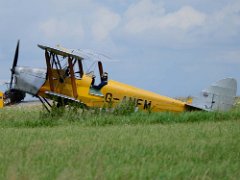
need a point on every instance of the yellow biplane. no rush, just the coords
(65, 80)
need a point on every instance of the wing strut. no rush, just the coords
(74, 87)
(49, 70)
(80, 67)
(100, 67)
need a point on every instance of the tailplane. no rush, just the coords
(219, 96)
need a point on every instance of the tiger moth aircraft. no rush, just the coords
(66, 80)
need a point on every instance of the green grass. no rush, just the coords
(60, 117)
(72, 145)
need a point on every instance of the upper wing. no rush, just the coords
(61, 51)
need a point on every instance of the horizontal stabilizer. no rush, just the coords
(219, 96)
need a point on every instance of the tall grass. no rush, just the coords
(205, 150)
(71, 143)
(122, 116)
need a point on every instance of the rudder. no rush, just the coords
(219, 96)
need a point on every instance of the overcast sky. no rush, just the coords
(174, 48)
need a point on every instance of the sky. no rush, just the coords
(174, 48)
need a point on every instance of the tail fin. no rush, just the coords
(217, 97)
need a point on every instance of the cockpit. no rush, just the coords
(64, 64)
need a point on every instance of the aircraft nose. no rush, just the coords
(29, 79)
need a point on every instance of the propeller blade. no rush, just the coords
(11, 80)
(14, 64)
(16, 56)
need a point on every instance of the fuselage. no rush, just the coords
(113, 93)
(34, 81)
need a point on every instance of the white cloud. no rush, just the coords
(184, 26)
(105, 22)
(54, 28)
(147, 16)
(224, 23)
(145, 8)
(98, 20)
(185, 19)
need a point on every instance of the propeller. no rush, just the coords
(12, 96)
(14, 64)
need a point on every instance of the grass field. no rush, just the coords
(71, 145)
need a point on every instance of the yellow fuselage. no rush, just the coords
(114, 92)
